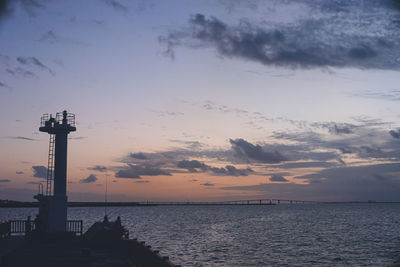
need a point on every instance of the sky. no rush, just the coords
(204, 100)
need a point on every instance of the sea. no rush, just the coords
(365, 234)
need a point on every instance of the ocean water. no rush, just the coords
(278, 235)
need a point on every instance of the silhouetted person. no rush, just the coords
(28, 227)
(38, 224)
(117, 226)
(118, 222)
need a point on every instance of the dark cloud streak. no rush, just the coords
(99, 168)
(228, 170)
(90, 179)
(277, 178)
(301, 45)
(137, 171)
(395, 134)
(117, 6)
(248, 152)
(34, 62)
(39, 171)
(21, 138)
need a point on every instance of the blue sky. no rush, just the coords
(220, 99)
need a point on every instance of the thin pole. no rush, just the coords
(105, 200)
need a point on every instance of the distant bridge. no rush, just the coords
(266, 201)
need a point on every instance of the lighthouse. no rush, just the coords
(52, 215)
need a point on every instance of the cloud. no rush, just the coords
(138, 155)
(345, 150)
(99, 168)
(34, 62)
(345, 129)
(39, 171)
(308, 42)
(21, 72)
(31, 6)
(353, 172)
(4, 85)
(31, 182)
(387, 94)
(359, 183)
(136, 171)
(5, 180)
(308, 164)
(171, 157)
(208, 184)
(312, 149)
(77, 137)
(312, 146)
(248, 152)
(21, 138)
(4, 59)
(395, 134)
(228, 170)
(341, 161)
(278, 178)
(53, 38)
(90, 179)
(117, 6)
(98, 22)
(142, 182)
(19, 172)
(50, 37)
(192, 165)
(257, 120)
(188, 144)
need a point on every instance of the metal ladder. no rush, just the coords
(50, 165)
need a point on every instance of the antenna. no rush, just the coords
(105, 199)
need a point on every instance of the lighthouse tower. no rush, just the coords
(53, 202)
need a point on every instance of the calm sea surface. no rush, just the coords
(280, 235)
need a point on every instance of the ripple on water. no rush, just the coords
(280, 235)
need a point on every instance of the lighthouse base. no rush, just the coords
(52, 215)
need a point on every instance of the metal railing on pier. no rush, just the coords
(75, 226)
(18, 227)
(21, 226)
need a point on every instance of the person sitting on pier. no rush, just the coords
(38, 224)
(105, 220)
(117, 226)
(28, 227)
(118, 222)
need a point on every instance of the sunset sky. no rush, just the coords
(204, 100)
